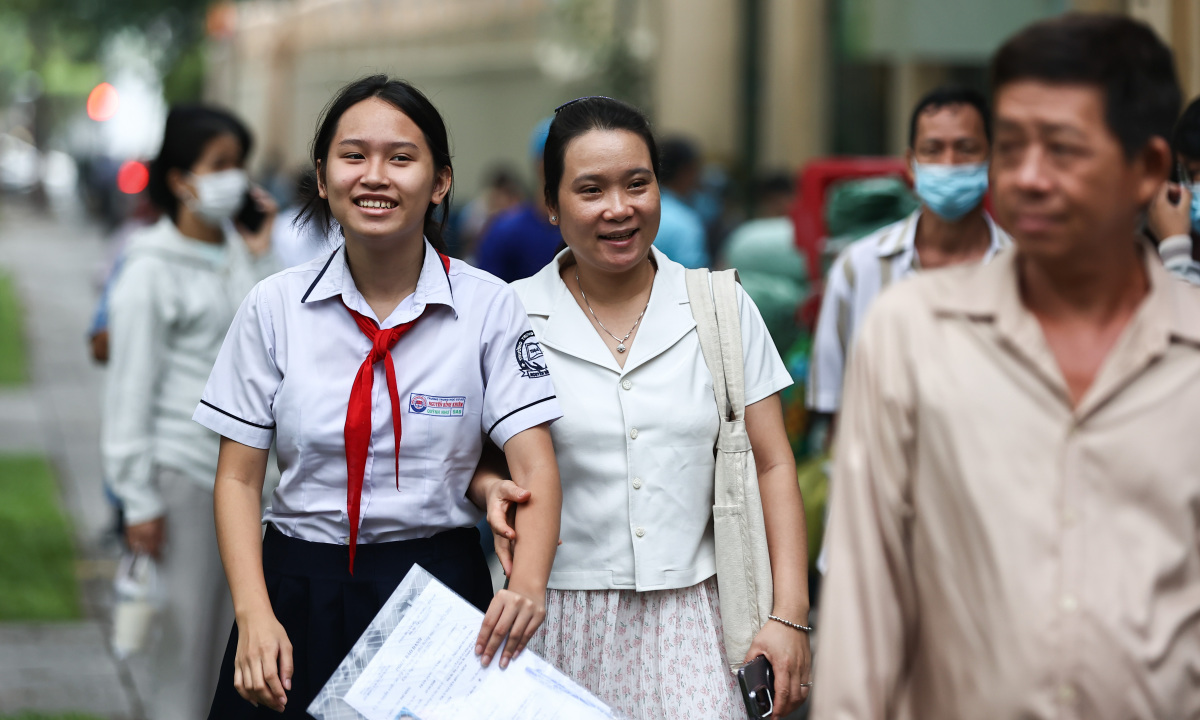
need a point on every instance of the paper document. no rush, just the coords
(424, 666)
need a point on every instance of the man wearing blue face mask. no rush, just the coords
(949, 147)
(1174, 214)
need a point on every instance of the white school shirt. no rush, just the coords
(635, 445)
(856, 278)
(469, 368)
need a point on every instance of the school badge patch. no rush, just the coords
(436, 405)
(529, 356)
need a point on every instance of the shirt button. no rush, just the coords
(1066, 692)
(1069, 518)
(637, 483)
(626, 384)
(633, 434)
(639, 532)
(1068, 603)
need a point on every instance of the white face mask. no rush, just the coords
(218, 195)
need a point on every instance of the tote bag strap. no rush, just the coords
(729, 326)
(705, 313)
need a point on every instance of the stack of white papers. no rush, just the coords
(417, 660)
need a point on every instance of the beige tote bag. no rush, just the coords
(743, 564)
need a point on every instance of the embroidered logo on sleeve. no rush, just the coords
(436, 405)
(529, 356)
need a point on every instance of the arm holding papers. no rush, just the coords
(417, 660)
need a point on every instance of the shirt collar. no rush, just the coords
(668, 315)
(901, 241)
(1166, 315)
(433, 285)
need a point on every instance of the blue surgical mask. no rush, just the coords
(951, 191)
(1195, 190)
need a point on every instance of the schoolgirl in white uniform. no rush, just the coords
(377, 370)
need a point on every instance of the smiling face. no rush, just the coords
(608, 200)
(379, 175)
(1061, 182)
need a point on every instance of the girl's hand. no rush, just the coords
(147, 538)
(263, 666)
(515, 614)
(259, 242)
(503, 497)
(791, 660)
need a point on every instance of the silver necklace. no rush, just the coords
(620, 341)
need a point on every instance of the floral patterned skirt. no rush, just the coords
(649, 655)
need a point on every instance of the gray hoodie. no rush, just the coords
(170, 308)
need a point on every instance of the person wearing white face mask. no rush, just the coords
(170, 306)
(949, 146)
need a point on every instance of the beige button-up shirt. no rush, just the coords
(997, 553)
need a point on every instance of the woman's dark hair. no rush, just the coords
(1121, 57)
(582, 116)
(408, 100)
(188, 131)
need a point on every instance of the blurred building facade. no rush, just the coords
(779, 81)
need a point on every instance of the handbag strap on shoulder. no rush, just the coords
(713, 297)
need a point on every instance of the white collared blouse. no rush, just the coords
(635, 444)
(469, 368)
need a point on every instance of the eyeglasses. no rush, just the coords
(569, 103)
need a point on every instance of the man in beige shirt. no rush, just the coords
(1016, 520)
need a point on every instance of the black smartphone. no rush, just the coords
(250, 216)
(758, 686)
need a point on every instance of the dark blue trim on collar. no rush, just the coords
(320, 275)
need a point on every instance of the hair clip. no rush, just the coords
(581, 99)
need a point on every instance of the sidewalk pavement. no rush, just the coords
(67, 666)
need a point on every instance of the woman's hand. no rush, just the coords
(262, 669)
(147, 538)
(503, 496)
(513, 613)
(791, 661)
(258, 242)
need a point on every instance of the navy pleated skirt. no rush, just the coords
(324, 609)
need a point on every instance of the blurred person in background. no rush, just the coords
(681, 235)
(772, 270)
(1014, 515)
(170, 306)
(949, 143)
(292, 241)
(502, 192)
(522, 240)
(1174, 216)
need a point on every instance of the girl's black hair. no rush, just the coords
(188, 131)
(408, 100)
(582, 116)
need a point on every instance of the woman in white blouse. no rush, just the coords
(632, 610)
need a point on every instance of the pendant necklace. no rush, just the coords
(620, 341)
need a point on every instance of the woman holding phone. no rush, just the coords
(633, 611)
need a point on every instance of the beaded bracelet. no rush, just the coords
(789, 623)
